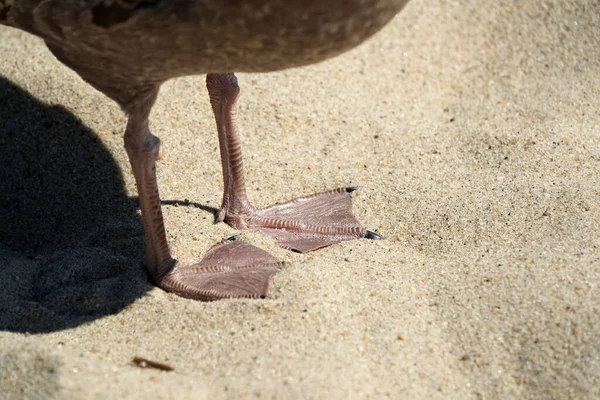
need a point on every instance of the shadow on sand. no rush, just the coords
(71, 242)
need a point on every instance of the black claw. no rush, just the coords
(351, 189)
(372, 236)
(231, 238)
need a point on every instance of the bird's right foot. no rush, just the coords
(230, 269)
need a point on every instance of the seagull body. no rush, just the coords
(127, 48)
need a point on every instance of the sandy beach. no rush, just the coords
(472, 131)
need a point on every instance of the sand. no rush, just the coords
(472, 132)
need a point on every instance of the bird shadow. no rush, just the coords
(71, 241)
(187, 203)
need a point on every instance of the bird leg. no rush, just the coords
(229, 269)
(303, 224)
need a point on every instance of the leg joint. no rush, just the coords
(139, 142)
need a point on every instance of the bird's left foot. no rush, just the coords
(306, 223)
(303, 224)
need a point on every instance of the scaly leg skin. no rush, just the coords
(303, 224)
(229, 269)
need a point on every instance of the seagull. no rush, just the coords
(126, 49)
